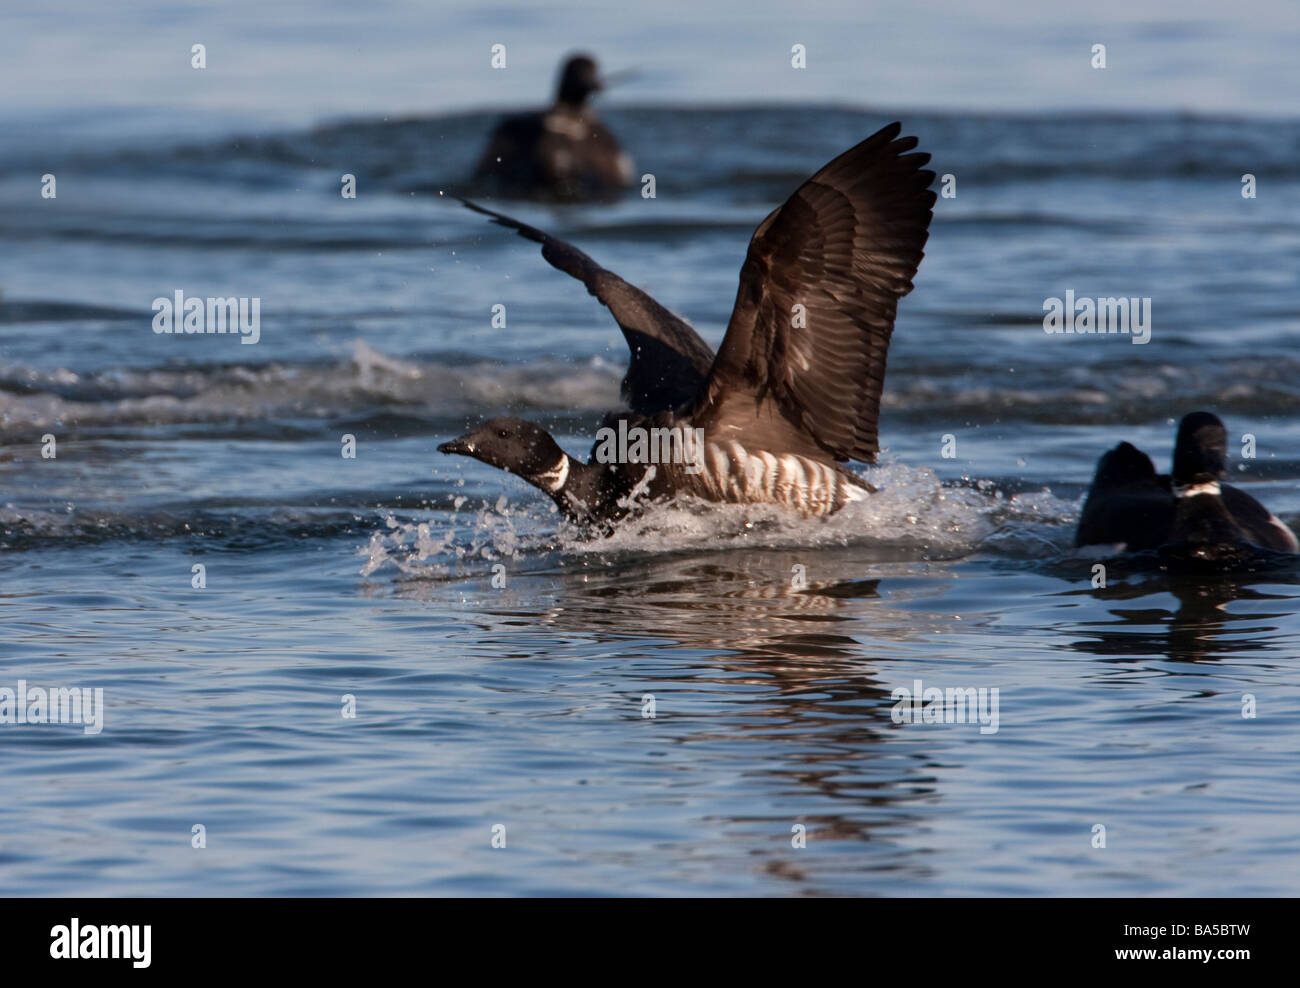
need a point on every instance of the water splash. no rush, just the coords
(912, 513)
(465, 542)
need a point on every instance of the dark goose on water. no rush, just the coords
(794, 390)
(564, 152)
(1129, 504)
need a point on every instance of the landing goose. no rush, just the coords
(794, 390)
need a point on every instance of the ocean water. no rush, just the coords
(768, 649)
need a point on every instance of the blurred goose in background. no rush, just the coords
(562, 153)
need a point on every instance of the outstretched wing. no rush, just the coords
(669, 360)
(804, 356)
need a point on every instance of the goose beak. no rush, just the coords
(461, 446)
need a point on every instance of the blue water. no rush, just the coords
(522, 705)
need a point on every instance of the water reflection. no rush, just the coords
(1202, 627)
(780, 694)
(779, 679)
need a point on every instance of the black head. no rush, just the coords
(1201, 449)
(578, 80)
(520, 447)
(1123, 465)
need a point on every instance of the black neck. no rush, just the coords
(582, 494)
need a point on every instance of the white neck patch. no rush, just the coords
(556, 477)
(1210, 487)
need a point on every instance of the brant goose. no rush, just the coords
(563, 153)
(794, 390)
(1130, 503)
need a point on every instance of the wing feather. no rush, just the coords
(815, 308)
(668, 361)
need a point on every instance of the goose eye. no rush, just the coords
(503, 434)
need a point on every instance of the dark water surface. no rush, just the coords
(523, 705)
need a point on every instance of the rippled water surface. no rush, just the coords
(770, 648)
